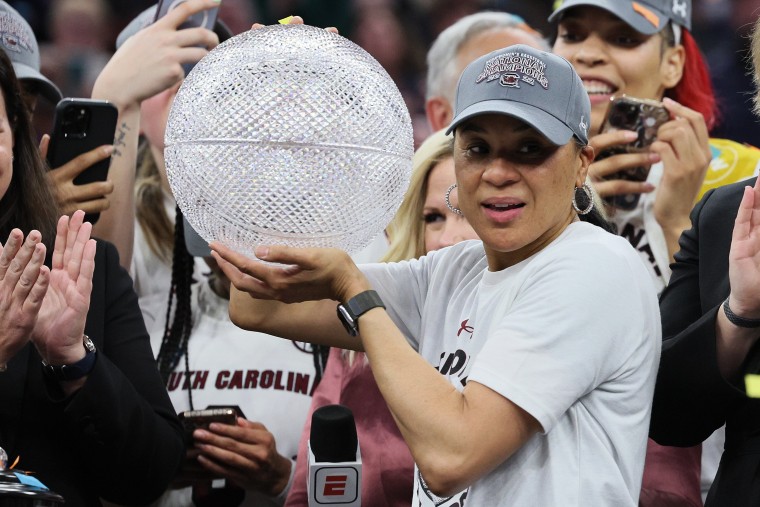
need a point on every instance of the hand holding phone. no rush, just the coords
(195, 419)
(203, 19)
(644, 117)
(80, 126)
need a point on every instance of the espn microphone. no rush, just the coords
(335, 463)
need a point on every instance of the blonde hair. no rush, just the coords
(406, 231)
(156, 225)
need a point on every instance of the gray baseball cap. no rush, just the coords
(19, 43)
(539, 88)
(645, 16)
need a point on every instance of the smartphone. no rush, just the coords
(81, 125)
(203, 19)
(194, 419)
(643, 116)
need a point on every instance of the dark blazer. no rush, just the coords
(118, 437)
(691, 398)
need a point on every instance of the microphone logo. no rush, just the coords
(337, 485)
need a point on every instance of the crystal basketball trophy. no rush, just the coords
(291, 135)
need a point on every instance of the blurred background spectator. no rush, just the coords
(77, 37)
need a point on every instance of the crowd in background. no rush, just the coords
(77, 38)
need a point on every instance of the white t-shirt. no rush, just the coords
(571, 335)
(152, 275)
(642, 231)
(271, 379)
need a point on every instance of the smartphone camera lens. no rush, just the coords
(76, 120)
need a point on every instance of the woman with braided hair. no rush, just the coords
(202, 357)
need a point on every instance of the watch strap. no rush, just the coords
(364, 302)
(737, 320)
(77, 370)
(355, 307)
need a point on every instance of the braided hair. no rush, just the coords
(178, 326)
(321, 353)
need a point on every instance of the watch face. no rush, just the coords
(348, 321)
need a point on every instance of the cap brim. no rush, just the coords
(646, 19)
(549, 126)
(196, 245)
(45, 86)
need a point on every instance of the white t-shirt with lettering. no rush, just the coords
(271, 379)
(571, 335)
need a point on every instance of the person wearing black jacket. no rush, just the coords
(82, 405)
(711, 326)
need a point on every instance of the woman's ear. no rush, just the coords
(585, 157)
(671, 69)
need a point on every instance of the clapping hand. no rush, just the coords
(744, 256)
(59, 326)
(24, 281)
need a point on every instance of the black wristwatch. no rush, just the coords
(356, 306)
(77, 370)
(737, 320)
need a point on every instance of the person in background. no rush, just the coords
(458, 45)
(205, 360)
(151, 63)
(422, 224)
(20, 44)
(79, 44)
(711, 321)
(645, 50)
(498, 372)
(83, 406)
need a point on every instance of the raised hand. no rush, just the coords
(744, 256)
(58, 331)
(245, 453)
(151, 60)
(24, 281)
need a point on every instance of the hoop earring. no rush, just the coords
(589, 196)
(448, 202)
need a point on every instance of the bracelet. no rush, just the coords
(737, 320)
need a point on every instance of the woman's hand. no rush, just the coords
(246, 454)
(91, 197)
(744, 256)
(601, 170)
(58, 331)
(151, 60)
(300, 274)
(733, 343)
(24, 281)
(682, 145)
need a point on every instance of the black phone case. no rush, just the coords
(82, 125)
(641, 116)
